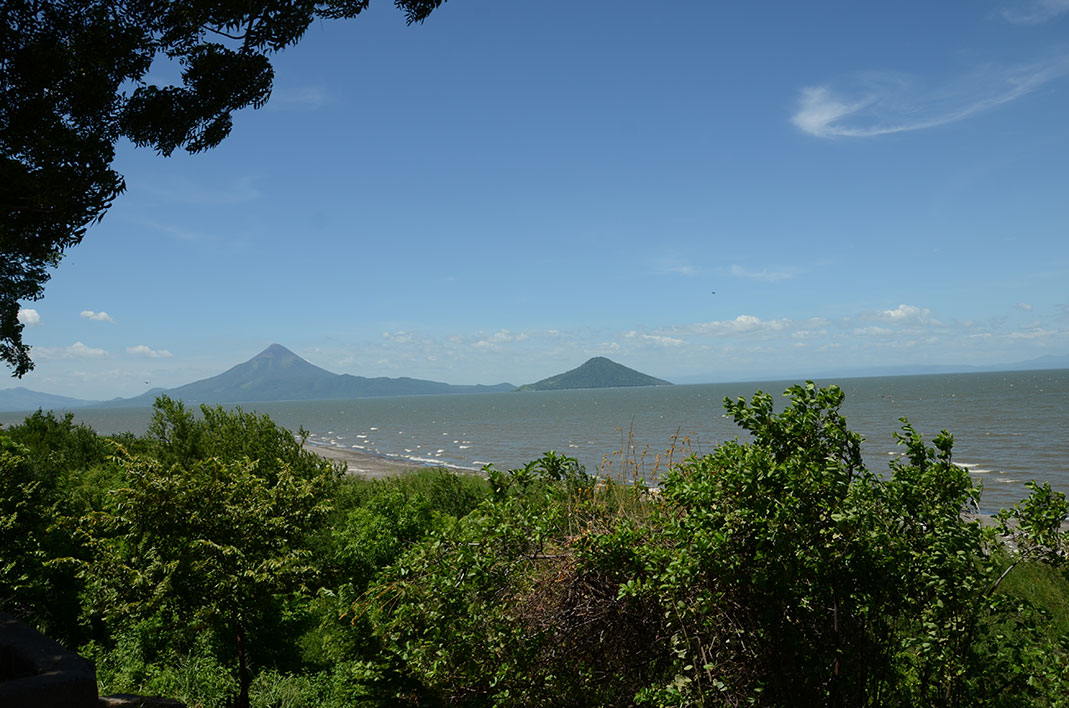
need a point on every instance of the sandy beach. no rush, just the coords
(363, 464)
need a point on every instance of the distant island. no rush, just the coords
(598, 372)
(275, 374)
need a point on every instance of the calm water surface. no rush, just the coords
(1009, 427)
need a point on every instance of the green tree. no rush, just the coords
(52, 470)
(23, 519)
(211, 539)
(73, 81)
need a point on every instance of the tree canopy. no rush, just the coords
(73, 82)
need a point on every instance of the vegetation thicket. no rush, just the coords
(216, 561)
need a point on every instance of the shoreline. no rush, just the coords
(367, 465)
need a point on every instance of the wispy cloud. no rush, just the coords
(176, 232)
(908, 314)
(176, 189)
(1033, 333)
(142, 350)
(743, 324)
(29, 317)
(1035, 12)
(873, 104)
(908, 319)
(674, 265)
(873, 331)
(655, 339)
(399, 337)
(306, 98)
(764, 275)
(502, 336)
(78, 350)
(97, 316)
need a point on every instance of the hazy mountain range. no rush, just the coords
(277, 374)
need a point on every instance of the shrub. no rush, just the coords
(778, 571)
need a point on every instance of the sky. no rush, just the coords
(701, 191)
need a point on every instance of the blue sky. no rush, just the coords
(513, 187)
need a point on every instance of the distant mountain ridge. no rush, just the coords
(598, 372)
(275, 374)
(21, 398)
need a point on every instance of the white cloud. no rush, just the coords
(743, 324)
(764, 275)
(655, 339)
(78, 350)
(29, 317)
(819, 110)
(902, 312)
(1035, 12)
(502, 336)
(809, 333)
(142, 350)
(97, 316)
(908, 314)
(399, 337)
(882, 103)
(1026, 306)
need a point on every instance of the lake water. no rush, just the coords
(1009, 427)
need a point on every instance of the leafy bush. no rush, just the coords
(777, 571)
